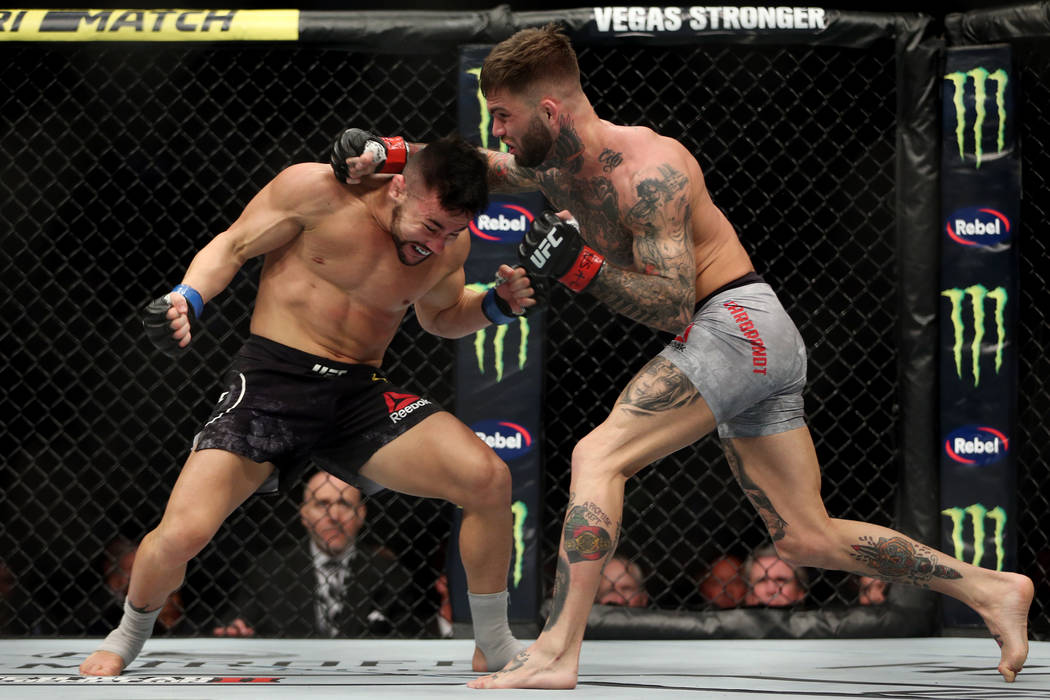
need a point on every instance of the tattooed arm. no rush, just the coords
(662, 291)
(507, 176)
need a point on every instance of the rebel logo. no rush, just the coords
(978, 226)
(400, 405)
(976, 445)
(502, 222)
(507, 439)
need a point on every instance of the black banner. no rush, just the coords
(980, 204)
(499, 370)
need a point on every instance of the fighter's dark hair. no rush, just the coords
(454, 170)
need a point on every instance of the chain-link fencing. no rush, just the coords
(122, 161)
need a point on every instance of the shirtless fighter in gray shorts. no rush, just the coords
(649, 243)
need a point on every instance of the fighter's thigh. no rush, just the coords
(210, 486)
(780, 474)
(659, 412)
(440, 458)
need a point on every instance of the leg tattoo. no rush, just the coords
(585, 541)
(660, 386)
(899, 559)
(561, 592)
(774, 523)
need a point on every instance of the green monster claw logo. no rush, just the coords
(978, 513)
(498, 338)
(980, 77)
(483, 121)
(520, 511)
(977, 293)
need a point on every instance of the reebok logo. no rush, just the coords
(400, 405)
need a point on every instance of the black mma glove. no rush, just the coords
(390, 153)
(554, 248)
(157, 325)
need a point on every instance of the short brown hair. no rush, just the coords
(528, 57)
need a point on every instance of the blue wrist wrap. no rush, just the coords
(491, 309)
(192, 296)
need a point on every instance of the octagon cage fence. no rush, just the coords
(123, 159)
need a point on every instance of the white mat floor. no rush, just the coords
(941, 668)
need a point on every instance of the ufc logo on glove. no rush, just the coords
(542, 254)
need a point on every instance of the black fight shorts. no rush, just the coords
(285, 406)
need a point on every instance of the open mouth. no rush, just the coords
(421, 251)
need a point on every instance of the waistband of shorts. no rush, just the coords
(297, 357)
(745, 279)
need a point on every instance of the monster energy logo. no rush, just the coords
(483, 121)
(978, 514)
(977, 294)
(980, 77)
(520, 511)
(499, 335)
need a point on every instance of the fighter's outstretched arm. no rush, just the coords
(357, 153)
(271, 219)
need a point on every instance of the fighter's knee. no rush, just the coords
(488, 482)
(800, 547)
(591, 460)
(179, 542)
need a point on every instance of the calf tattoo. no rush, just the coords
(585, 541)
(561, 592)
(774, 523)
(900, 559)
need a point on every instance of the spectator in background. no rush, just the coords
(724, 585)
(622, 583)
(328, 586)
(871, 591)
(773, 582)
(441, 624)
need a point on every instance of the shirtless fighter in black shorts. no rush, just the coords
(343, 264)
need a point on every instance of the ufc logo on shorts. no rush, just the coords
(330, 371)
(542, 253)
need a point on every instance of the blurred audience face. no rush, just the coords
(621, 584)
(332, 512)
(774, 583)
(872, 591)
(724, 585)
(118, 576)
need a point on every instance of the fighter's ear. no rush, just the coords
(550, 108)
(397, 186)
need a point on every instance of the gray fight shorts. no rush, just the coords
(745, 356)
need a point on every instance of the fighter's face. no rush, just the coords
(528, 136)
(420, 228)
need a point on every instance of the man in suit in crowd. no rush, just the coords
(328, 587)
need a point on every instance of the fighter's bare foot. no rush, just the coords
(102, 663)
(1006, 615)
(533, 668)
